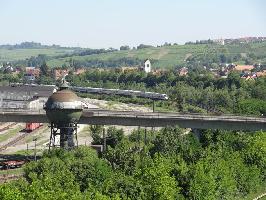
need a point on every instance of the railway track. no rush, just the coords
(13, 142)
(9, 177)
(7, 127)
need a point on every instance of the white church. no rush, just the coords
(147, 66)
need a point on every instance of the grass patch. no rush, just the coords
(9, 134)
(30, 152)
(37, 134)
(42, 142)
(15, 171)
(85, 132)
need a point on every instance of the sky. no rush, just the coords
(112, 23)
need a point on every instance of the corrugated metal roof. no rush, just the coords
(39, 91)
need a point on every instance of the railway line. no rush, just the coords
(10, 170)
(9, 177)
(16, 140)
(7, 127)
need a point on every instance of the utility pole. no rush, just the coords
(145, 136)
(139, 136)
(35, 139)
(153, 105)
(104, 140)
(27, 151)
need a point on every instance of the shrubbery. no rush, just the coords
(168, 165)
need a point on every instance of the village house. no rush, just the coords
(261, 73)
(60, 73)
(248, 76)
(80, 71)
(243, 68)
(33, 71)
(16, 71)
(29, 78)
(183, 71)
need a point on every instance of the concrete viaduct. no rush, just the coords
(147, 119)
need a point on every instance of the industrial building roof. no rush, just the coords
(32, 90)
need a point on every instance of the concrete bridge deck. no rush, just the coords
(147, 119)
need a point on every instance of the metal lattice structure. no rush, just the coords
(68, 136)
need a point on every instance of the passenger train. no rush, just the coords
(150, 95)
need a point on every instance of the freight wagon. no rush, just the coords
(32, 126)
(11, 164)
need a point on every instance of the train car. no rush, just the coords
(11, 164)
(89, 90)
(110, 91)
(164, 97)
(32, 126)
(96, 90)
(79, 89)
(150, 95)
(125, 92)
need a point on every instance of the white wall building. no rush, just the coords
(147, 66)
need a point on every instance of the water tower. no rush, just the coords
(63, 109)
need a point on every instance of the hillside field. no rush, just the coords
(170, 56)
(161, 57)
(10, 55)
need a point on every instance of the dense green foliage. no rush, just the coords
(194, 93)
(165, 164)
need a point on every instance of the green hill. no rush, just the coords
(161, 57)
(11, 55)
(170, 56)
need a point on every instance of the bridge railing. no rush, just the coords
(167, 113)
(153, 115)
(132, 114)
(22, 111)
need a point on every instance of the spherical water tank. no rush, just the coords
(63, 107)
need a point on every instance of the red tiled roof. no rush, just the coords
(243, 67)
(262, 73)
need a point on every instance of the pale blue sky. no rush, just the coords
(112, 23)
